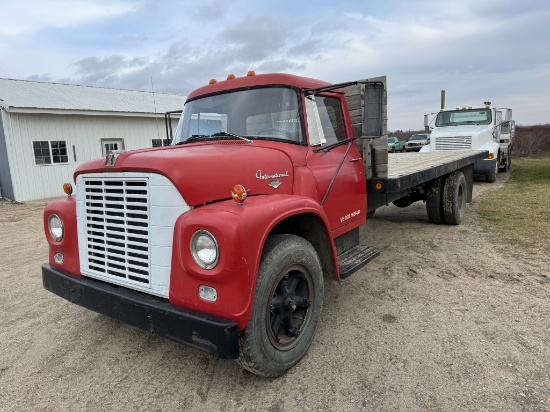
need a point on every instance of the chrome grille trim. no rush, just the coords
(453, 143)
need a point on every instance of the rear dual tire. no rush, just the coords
(454, 198)
(446, 200)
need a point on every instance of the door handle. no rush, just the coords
(355, 159)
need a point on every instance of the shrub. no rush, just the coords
(531, 140)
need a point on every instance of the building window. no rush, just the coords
(161, 142)
(50, 152)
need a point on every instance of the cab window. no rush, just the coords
(325, 120)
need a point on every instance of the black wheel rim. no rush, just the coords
(288, 314)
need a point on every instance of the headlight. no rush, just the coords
(204, 249)
(55, 225)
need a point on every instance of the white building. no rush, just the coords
(48, 129)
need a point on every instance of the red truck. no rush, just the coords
(223, 239)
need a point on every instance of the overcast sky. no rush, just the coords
(475, 50)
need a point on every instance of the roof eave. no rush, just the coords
(34, 110)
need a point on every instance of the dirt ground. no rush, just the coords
(446, 319)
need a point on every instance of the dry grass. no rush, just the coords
(519, 214)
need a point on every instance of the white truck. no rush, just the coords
(475, 128)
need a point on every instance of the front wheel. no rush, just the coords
(287, 305)
(492, 176)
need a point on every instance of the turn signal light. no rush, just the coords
(378, 186)
(68, 189)
(491, 156)
(239, 194)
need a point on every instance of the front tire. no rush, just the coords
(492, 176)
(287, 306)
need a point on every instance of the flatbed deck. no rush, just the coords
(408, 170)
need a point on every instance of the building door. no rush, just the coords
(111, 144)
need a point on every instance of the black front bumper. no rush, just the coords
(485, 166)
(211, 334)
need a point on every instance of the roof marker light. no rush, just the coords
(251, 73)
(230, 76)
(212, 81)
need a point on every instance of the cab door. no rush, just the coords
(338, 171)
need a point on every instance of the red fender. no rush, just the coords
(241, 231)
(68, 245)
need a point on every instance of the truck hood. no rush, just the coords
(456, 131)
(204, 173)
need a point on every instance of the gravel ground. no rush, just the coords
(446, 319)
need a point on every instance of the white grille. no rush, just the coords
(453, 143)
(126, 228)
(116, 213)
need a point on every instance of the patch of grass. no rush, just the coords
(519, 213)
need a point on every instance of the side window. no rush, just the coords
(111, 144)
(325, 120)
(50, 152)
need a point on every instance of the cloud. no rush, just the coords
(475, 51)
(24, 18)
(214, 10)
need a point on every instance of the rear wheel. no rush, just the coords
(434, 202)
(455, 193)
(287, 306)
(508, 163)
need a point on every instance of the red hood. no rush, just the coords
(207, 172)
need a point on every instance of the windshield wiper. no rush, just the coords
(226, 134)
(194, 138)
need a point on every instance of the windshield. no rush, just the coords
(418, 137)
(460, 117)
(270, 113)
(392, 139)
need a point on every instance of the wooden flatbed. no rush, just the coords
(409, 171)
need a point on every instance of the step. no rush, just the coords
(354, 259)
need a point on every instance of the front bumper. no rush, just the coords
(485, 167)
(211, 334)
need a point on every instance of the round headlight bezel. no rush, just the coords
(56, 232)
(204, 235)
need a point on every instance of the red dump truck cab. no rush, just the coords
(161, 225)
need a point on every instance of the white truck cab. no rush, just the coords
(475, 128)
